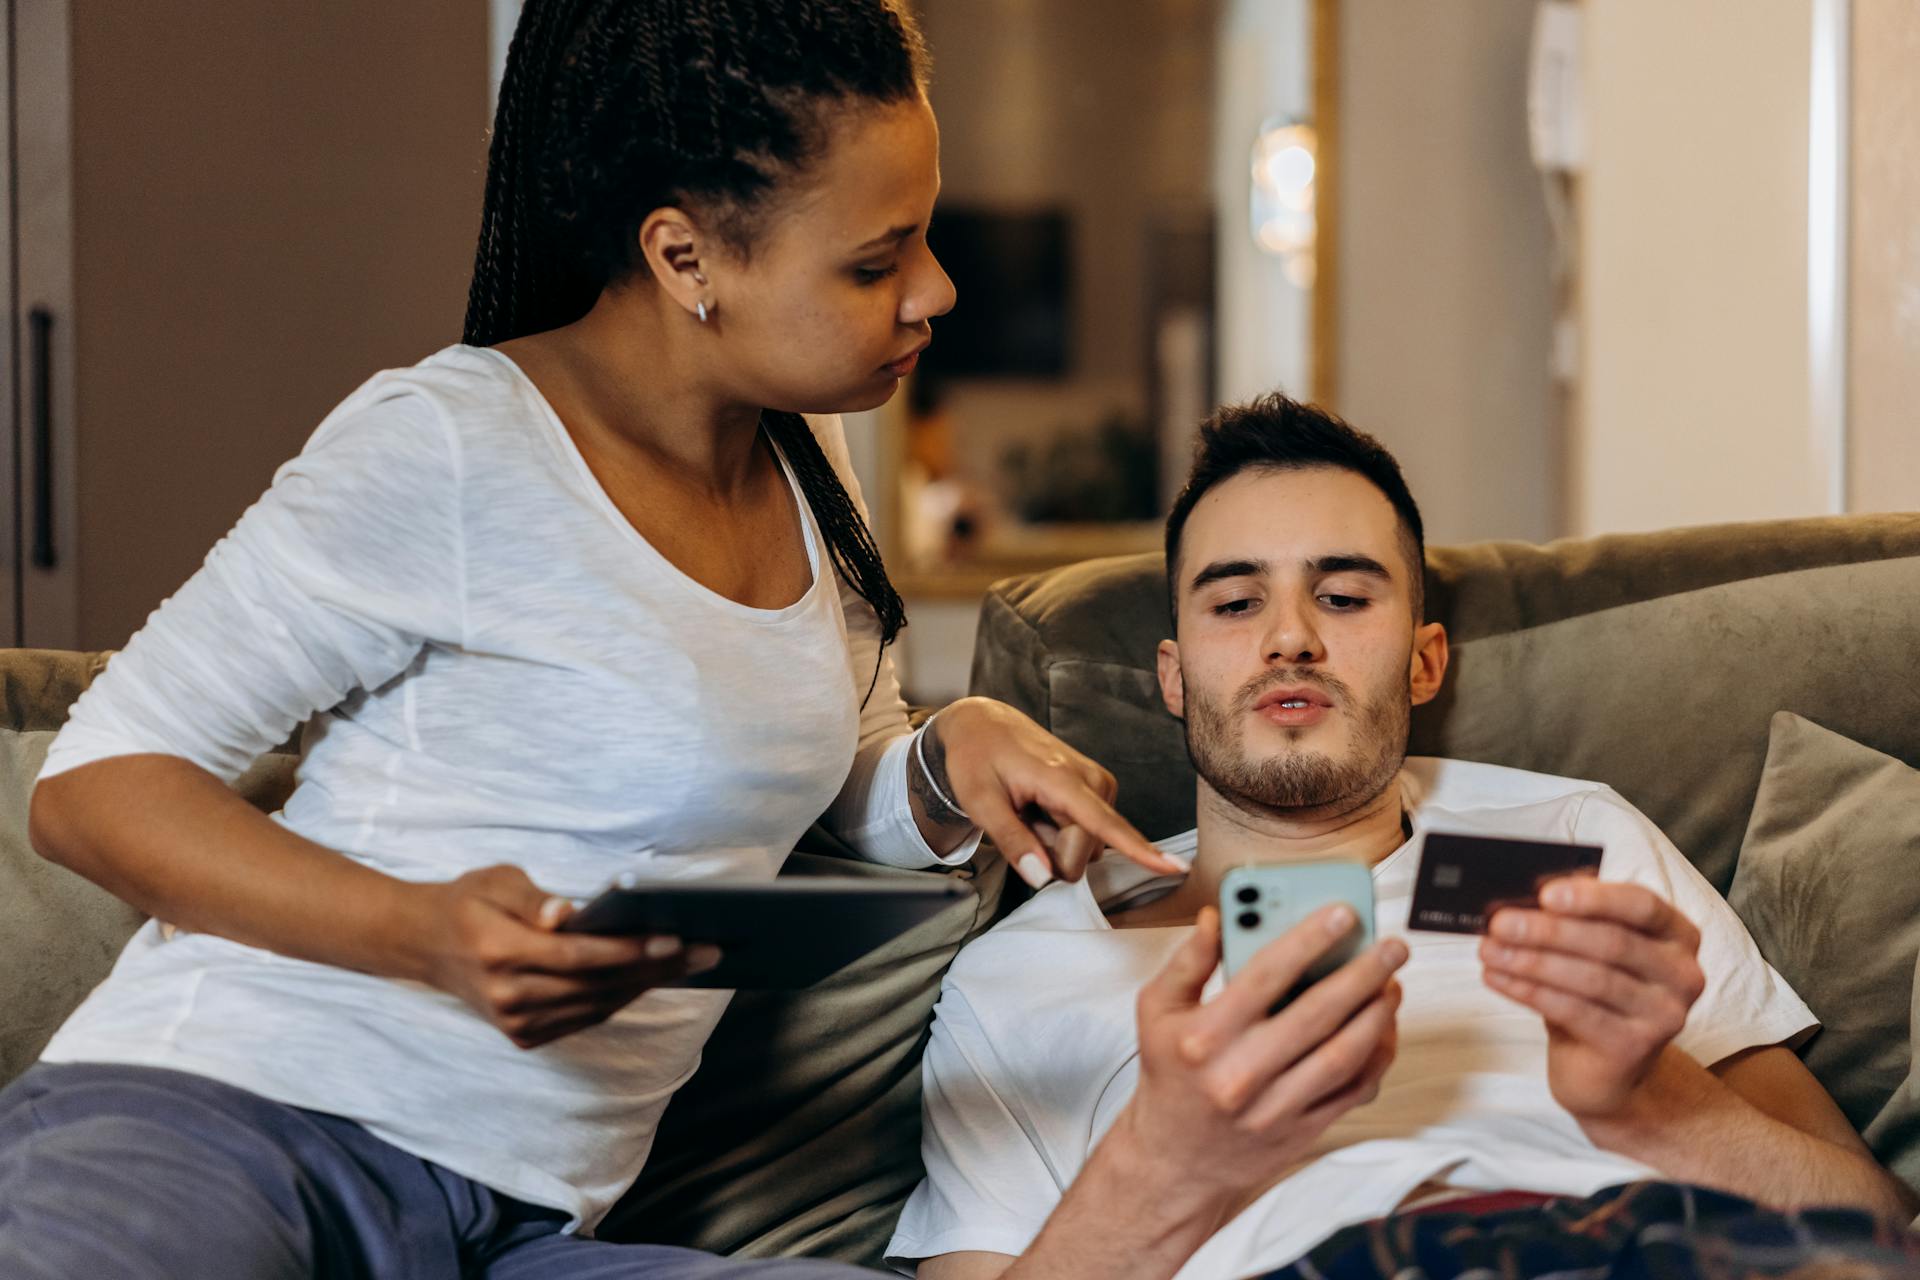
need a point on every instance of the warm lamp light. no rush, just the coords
(1282, 197)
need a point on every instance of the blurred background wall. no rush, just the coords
(269, 202)
(1883, 326)
(265, 203)
(1442, 285)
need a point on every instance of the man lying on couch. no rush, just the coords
(1099, 1102)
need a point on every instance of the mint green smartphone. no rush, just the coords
(1259, 903)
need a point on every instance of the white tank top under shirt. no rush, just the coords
(505, 671)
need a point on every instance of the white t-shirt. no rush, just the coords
(1034, 1049)
(507, 672)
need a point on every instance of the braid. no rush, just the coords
(848, 539)
(610, 109)
(504, 290)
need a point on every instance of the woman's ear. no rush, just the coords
(675, 248)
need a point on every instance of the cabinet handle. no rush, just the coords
(40, 336)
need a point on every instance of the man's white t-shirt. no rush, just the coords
(506, 672)
(1034, 1049)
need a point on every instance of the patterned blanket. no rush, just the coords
(1639, 1231)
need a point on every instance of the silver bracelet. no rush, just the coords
(927, 773)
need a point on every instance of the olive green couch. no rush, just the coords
(1655, 663)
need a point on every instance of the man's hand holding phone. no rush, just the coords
(490, 938)
(1232, 1093)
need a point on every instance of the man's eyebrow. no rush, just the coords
(894, 234)
(1221, 569)
(1349, 562)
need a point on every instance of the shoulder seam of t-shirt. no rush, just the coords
(456, 458)
(457, 461)
(1652, 846)
(395, 391)
(1579, 810)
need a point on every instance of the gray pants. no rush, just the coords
(109, 1172)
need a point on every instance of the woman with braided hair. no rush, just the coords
(589, 592)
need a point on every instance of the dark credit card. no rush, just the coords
(1463, 880)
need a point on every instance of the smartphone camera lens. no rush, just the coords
(1248, 894)
(1248, 920)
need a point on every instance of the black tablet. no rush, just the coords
(783, 933)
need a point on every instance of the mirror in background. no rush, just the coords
(1130, 196)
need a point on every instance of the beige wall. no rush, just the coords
(1695, 396)
(1884, 245)
(1445, 319)
(272, 202)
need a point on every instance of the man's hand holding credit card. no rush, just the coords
(1612, 969)
(1464, 879)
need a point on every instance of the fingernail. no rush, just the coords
(552, 911)
(1499, 954)
(702, 958)
(1558, 895)
(1395, 952)
(661, 946)
(1339, 920)
(1034, 870)
(1508, 925)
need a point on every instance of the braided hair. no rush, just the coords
(610, 109)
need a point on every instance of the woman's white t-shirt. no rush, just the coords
(1035, 1050)
(504, 671)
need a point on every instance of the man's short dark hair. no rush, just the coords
(1275, 433)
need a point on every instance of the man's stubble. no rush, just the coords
(1299, 780)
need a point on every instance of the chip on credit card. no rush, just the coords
(1463, 880)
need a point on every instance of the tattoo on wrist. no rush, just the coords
(929, 783)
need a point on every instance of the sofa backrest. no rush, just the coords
(1651, 662)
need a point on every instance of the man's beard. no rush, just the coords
(1299, 780)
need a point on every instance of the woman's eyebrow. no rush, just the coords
(895, 234)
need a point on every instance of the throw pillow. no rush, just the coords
(1828, 882)
(800, 1132)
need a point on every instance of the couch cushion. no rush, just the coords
(800, 1132)
(1894, 1134)
(1829, 885)
(38, 685)
(1492, 588)
(59, 932)
(1667, 699)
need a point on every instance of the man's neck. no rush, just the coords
(1231, 836)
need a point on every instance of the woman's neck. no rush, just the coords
(629, 382)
